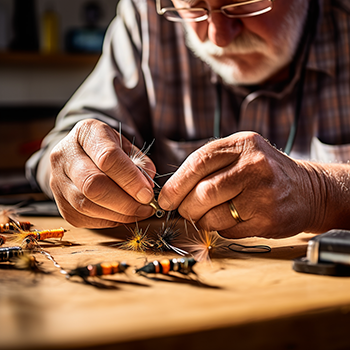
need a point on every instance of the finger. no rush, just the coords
(211, 192)
(80, 220)
(253, 229)
(252, 222)
(87, 207)
(200, 164)
(80, 211)
(102, 144)
(140, 159)
(99, 189)
(89, 191)
(257, 221)
(218, 218)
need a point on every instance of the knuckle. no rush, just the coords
(112, 162)
(198, 161)
(195, 166)
(261, 168)
(208, 191)
(250, 138)
(108, 159)
(95, 192)
(173, 191)
(262, 162)
(93, 186)
(84, 127)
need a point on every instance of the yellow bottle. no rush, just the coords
(50, 31)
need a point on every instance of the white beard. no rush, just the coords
(273, 58)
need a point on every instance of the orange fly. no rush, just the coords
(39, 235)
(165, 266)
(97, 270)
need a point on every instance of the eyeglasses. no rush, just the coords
(248, 8)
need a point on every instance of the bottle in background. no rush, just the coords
(50, 30)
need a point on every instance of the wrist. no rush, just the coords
(328, 192)
(315, 196)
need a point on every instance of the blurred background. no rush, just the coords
(47, 49)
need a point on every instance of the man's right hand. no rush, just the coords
(93, 180)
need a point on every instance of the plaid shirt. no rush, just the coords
(150, 81)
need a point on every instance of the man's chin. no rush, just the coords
(239, 74)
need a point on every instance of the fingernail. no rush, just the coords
(145, 196)
(144, 211)
(164, 203)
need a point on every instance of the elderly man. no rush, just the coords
(248, 103)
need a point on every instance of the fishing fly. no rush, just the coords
(23, 225)
(165, 266)
(27, 262)
(98, 270)
(138, 241)
(9, 224)
(39, 235)
(206, 243)
(31, 244)
(167, 234)
(8, 253)
(22, 260)
(203, 245)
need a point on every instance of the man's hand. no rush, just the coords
(93, 180)
(274, 195)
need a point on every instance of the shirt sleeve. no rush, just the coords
(114, 93)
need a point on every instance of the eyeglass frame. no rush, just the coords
(161, 11)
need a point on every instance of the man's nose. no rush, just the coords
(222, 30)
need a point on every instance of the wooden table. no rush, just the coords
(241, 301)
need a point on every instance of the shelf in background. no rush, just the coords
(53, 60)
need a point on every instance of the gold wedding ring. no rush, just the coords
(234, 212)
